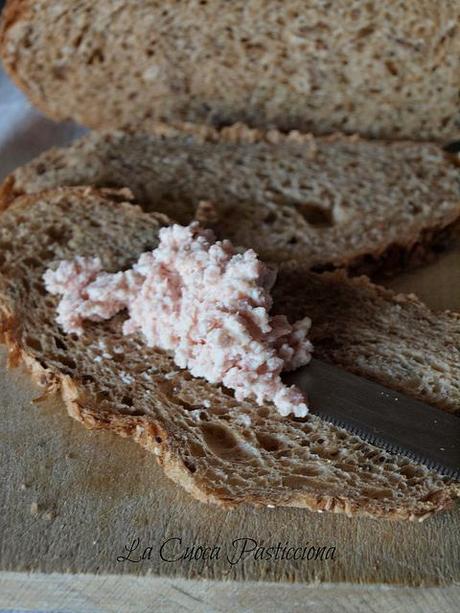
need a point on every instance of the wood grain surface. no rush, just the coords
(72, 500)
(112, 594)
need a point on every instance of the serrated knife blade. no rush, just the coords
(380, 416)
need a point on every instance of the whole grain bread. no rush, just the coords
(386, 70)
(369, 330)
(220, 450)
(326, 202)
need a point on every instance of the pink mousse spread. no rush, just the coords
(200, 300)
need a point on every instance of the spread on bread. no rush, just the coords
(203, 301)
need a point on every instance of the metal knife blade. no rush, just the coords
(381, 416)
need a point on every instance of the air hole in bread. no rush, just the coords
(409, 471)
(196, 450)
(223, 442)
(93, 223)
(59, 72)
(378, 494)
(102, 396)
(134, 412)
(165, 387)
(58, 235)
(68, 361)
(60, 343)
(32, 262)
(219, 436)
(227, 391)
(40, 288)
(268, 442)
(127, 401)
(326, 453)
(189, 465)
(33, 342)
(391, 67)
(270, 218)
(315, 215)
(45, 254)
(97, 57)
(78, 40)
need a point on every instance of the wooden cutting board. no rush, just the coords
(73, 501)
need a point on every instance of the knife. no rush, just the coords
(382, 417)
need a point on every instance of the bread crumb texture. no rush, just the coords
(220, 450)
(201, 300)
(325, 202)
(382, 69)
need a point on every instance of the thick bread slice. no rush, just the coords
(220, 450)
(387, 70)
(325, 202)
(367, 329)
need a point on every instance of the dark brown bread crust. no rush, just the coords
(419, 250)
(14, 11)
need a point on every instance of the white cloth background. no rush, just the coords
(24, 132)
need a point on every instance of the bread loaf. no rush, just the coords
(388, 70)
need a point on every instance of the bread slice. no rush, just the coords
(386, 70)
(220, 450)
(391, 338)
(325, 202)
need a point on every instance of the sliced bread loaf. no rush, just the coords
(380, 69)
(220, 450)
(325, 202)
